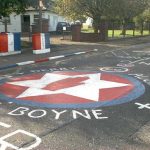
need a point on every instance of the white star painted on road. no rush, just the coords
(41, 83)
(89, 89)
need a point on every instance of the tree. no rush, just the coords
(130, 9)
(9, 6)
(18, 6)
(46, 3)
(101, 10)
(40, 5)
(69, 9)
(145, 15)
(76, 9)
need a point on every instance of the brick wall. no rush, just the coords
(78, 36)
(90, 37)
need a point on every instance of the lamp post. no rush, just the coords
(40, 15)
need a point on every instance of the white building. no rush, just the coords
(23, 22)
(89, 21)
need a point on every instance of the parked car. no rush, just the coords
(63, 26)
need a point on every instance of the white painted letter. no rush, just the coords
(19, 111)
(58, 113)
(97, 114)
(43, 113)
(86, 115)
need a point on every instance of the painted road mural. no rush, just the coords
(71, 89)
(98, 101)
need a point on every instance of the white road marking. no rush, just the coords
(142, 106)
(139, 61)
(5, 125)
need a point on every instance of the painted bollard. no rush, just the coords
(10, 44)
(41, 43)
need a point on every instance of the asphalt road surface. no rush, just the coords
(94, 101)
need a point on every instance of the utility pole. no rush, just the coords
(40, 15)
(5, 24)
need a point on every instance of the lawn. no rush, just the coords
(117, 33)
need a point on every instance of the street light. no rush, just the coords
(40, 15)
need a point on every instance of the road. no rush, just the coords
(94, 101)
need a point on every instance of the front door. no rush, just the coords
(25, 23)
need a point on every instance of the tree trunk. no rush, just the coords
(103, 30)
(123, 28)
(100, 26)
(96, 23)
(5, 24)
(95, 29)
(142, 27)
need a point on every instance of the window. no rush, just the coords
(36, 18)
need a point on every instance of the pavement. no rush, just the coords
(62, 47)
(92, 101)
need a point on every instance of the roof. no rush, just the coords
(35, 9)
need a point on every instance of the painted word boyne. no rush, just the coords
(57, 114)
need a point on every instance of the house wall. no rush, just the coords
(53, 20)
(15, 24)
(15, 21)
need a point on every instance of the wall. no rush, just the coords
(90, 37)
(53, 20)
(78, 36)
(13, 26)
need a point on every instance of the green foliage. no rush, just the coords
(146, 15)
(69, 9)
(101, 9)
(131, 8)
(19, 6)
(9, 6)
(46, 3)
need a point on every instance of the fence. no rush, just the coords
(116, 30)
(130, 29)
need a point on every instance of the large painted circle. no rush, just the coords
(71, 89)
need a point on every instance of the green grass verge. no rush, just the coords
(117, 33)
